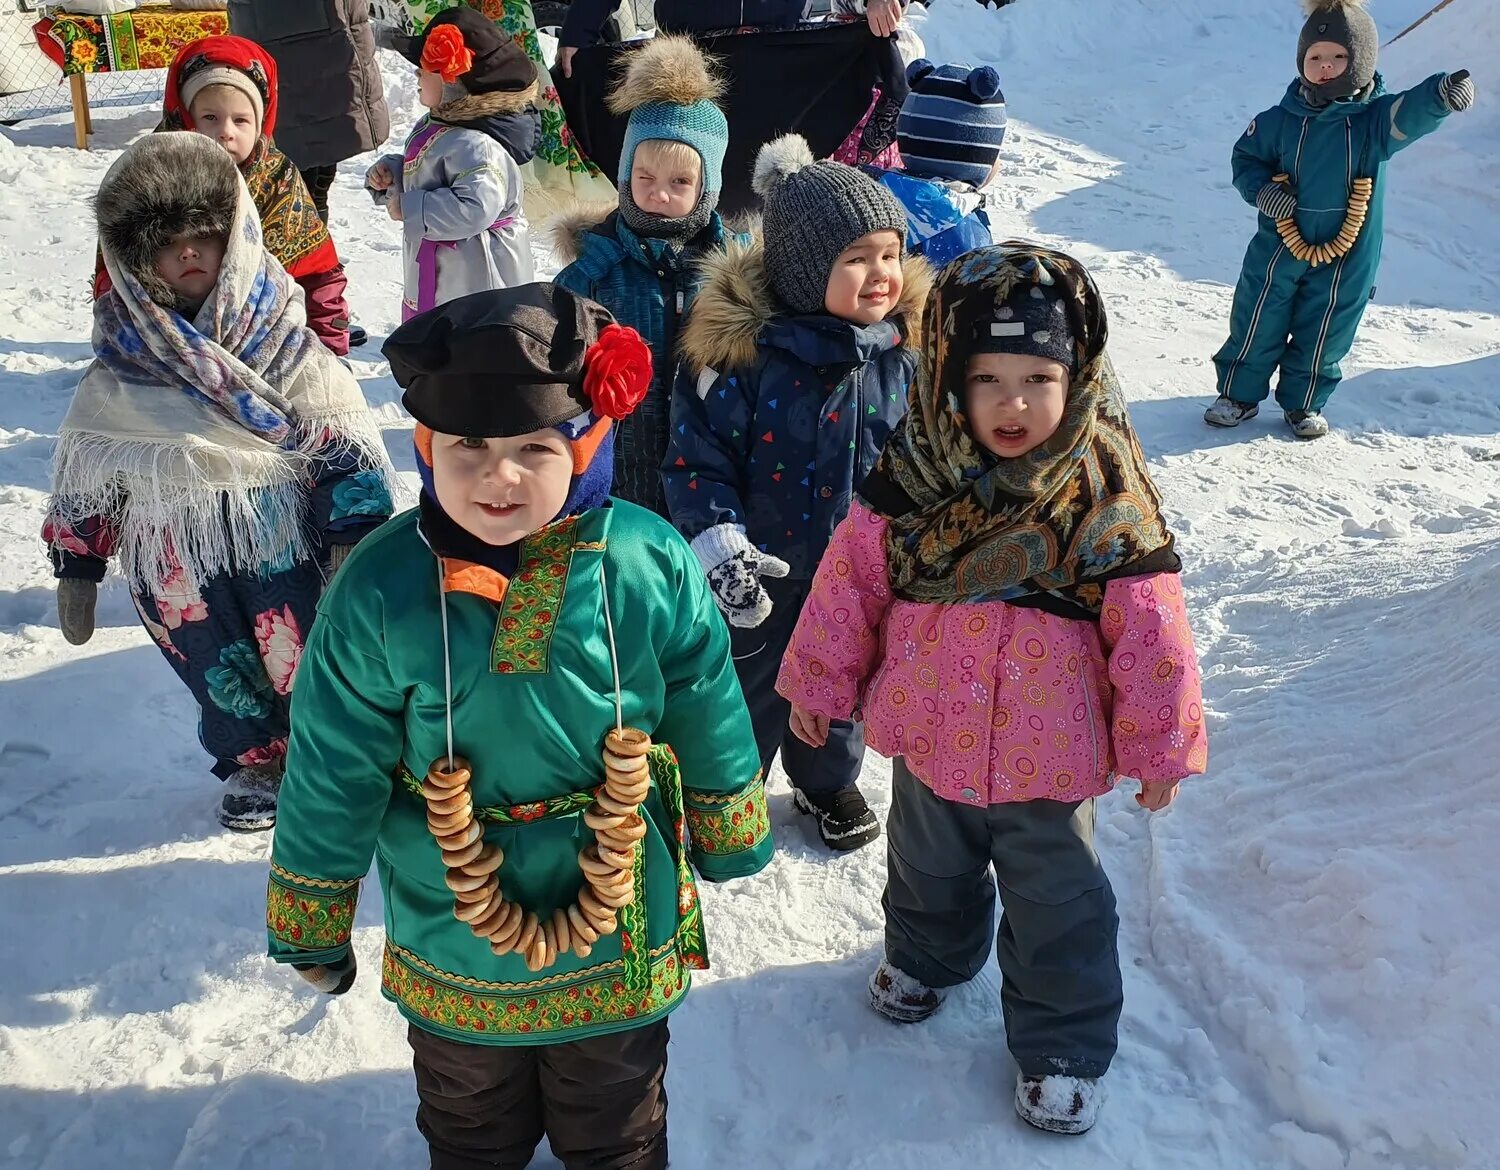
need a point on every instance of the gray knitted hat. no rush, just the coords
(813, 211)
(1343, 22)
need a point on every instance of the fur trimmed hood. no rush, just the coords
(165, 185)
(568, 229)
(737, 304)
(474, 107)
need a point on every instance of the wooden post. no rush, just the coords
(79, 89)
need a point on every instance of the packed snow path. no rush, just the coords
(1310, 936)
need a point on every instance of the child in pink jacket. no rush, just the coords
(1002, 603)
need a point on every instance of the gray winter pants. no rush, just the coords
(1060, 969)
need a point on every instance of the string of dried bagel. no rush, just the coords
(1354, 220)
(608, 863)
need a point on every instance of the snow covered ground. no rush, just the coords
(1310, 936)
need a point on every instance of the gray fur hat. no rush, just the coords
(1343, 22)
(813, 211)
(165, 185)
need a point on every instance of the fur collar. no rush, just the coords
(568, 229)
(475, 106)
(736, 304)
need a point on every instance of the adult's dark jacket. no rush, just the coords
(332, 99)
(586, 17)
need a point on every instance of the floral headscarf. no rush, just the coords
(1049, 528)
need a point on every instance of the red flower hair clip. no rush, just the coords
(444, 53)
(617, 371)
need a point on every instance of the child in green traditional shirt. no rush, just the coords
(498, 631)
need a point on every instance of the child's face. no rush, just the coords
(665, 182)
(190, 265)
(865, 283)
(226, 115)
(429, 89)
(500, 490)
(1014, 401)
(1325, 60)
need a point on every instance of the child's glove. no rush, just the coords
(332, 979)
(1278, 200)
(1457, 90)
(76, 597)
(734, 567)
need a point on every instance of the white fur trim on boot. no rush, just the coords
(1059, 1104)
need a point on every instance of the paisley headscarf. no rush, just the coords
(1047, 529)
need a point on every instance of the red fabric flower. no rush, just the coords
(617, 371)
(444, 53)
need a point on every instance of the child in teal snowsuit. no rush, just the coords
(1299, 160)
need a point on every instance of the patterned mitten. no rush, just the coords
(332, 979)
(734, 567)
(1457, 90)
(75, 608)
(1278, 200)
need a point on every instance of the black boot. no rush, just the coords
(357, 335)
(845, 821)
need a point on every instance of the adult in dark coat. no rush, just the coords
(332, 99)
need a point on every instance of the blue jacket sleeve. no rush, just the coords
(708, 449)
(576, 280)
(1402, 118)
(1255, 157)
(585, 19)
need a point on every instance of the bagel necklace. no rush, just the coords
(607, 863)
(1338, 247)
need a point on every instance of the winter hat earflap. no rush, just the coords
(813, 211)
(1346, 23)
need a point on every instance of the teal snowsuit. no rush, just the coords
(1286, 312)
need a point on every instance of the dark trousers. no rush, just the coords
(1059, 965)
(757, 658)
(600, 1102)
(319, 181)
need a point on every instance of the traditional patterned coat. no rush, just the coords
(990, 703)
(649, 285)
(533, 699)
(776, 418)
(460, 188)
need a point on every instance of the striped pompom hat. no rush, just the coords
(952, 123)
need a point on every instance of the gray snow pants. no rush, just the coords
(1059, 966)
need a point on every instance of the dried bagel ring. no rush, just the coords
(530, 928)
(493, 918)
(634, 828)
(598, 820)
(477, 894)
(593, 865)
(507, 930)
(470, 833)
(623, 860)
(623, 793)
(440, 825)
(582, 930)
(561, 935)
(448, 802)
(628, 741)
(472, 912)
(460, 882)
(458, 858)
(625, 765)
(595, 911)
(445, 777)
(490, 858)
(582, 949)
(609, 804)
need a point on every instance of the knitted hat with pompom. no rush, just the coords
(813, 211)
(1346, 23)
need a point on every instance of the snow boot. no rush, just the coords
(1307, 424)
(1226, 412)
(249, 804)
(357, 335)
(899, 997)
(1059, 1104)
(845, 821)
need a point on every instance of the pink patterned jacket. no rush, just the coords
(991, 703)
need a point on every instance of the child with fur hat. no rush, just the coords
(1314, 167)
(457, 189)
(225, 89)
(1003, 604)
(479, 649)
(950, 131)
(640, 259)
(215, 449)
(797, 357)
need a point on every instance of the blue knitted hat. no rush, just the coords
(669, 93)
(952, 123)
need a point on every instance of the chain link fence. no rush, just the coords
(31, 85)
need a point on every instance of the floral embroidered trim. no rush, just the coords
(305, 920)
(528, 617)
(591, 998)
(727, 824)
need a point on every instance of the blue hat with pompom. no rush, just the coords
(952, 124)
